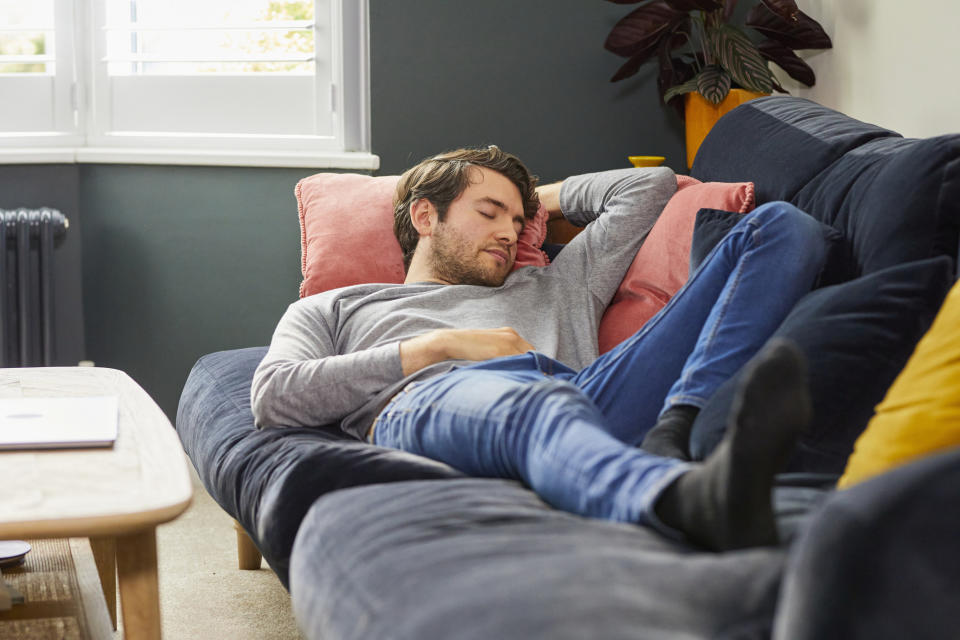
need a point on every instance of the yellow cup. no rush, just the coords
(646, 161)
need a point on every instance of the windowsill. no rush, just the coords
(356, 160)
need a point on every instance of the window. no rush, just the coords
(36, 70)
(118, 79)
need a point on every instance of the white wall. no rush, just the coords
(895, 64)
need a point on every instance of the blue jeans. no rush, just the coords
(570, 435)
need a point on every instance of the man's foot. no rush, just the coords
(725, 503)
(670, 437)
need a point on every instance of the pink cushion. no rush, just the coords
(660, 267)
(346, 232)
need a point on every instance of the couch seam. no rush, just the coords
(944, 168)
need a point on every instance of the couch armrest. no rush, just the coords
(880, 560)
(267, 479)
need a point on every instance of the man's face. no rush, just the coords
(477, 241)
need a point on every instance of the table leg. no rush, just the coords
(139, 592)
(105, 555)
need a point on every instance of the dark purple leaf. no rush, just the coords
(803, 33)
(641, 29)
(676, 37)
(631, 66)
(729, 8)
(679, 34)
(776, 85)
(673, 71)
(786, 9)
(786, 59)
(695, 5)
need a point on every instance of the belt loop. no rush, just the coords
(544, 364)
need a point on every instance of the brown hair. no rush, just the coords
(442, 178)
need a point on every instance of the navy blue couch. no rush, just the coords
(375, 543)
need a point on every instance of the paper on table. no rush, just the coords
(45, 423)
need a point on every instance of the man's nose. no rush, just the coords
(507, 233)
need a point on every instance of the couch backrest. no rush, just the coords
(894, 199)
(895, 202)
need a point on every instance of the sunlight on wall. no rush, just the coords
(893, 63)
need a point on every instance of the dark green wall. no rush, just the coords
(182, 261)
(530, 76)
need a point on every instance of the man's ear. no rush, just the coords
(423, 215)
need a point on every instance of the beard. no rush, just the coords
(455, 260)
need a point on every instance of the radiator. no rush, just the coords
(27, 240)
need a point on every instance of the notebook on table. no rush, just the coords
(58, 423)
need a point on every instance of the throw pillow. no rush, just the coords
(660, 267)
(856, 336)
(346, 232)
(920, 414)
(709, 228)
(712, 224)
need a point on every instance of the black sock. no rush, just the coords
(670, 437)
(725, 503)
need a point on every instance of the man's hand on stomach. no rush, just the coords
(460, 344)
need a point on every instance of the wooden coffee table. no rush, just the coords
(115, 497)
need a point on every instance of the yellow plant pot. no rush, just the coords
(701, 114)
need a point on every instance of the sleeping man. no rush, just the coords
(496, 372)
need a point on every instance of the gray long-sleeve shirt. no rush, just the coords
(335, 356)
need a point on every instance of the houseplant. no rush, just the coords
(705, 48)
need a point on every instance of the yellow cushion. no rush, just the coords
(921, 411)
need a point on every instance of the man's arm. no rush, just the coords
(303, 381)
(618, 209)
(460, 344)
(550, 199)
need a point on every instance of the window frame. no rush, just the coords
(57, 89)
(80, 77)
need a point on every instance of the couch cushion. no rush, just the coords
(660, 267)
(268, 478)
(709, 228)
(481, 558)
(879, 561)
(713, 224)
(856, 336)
(346, 232)
(894, 199)
(780, 143)
(920, 414)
